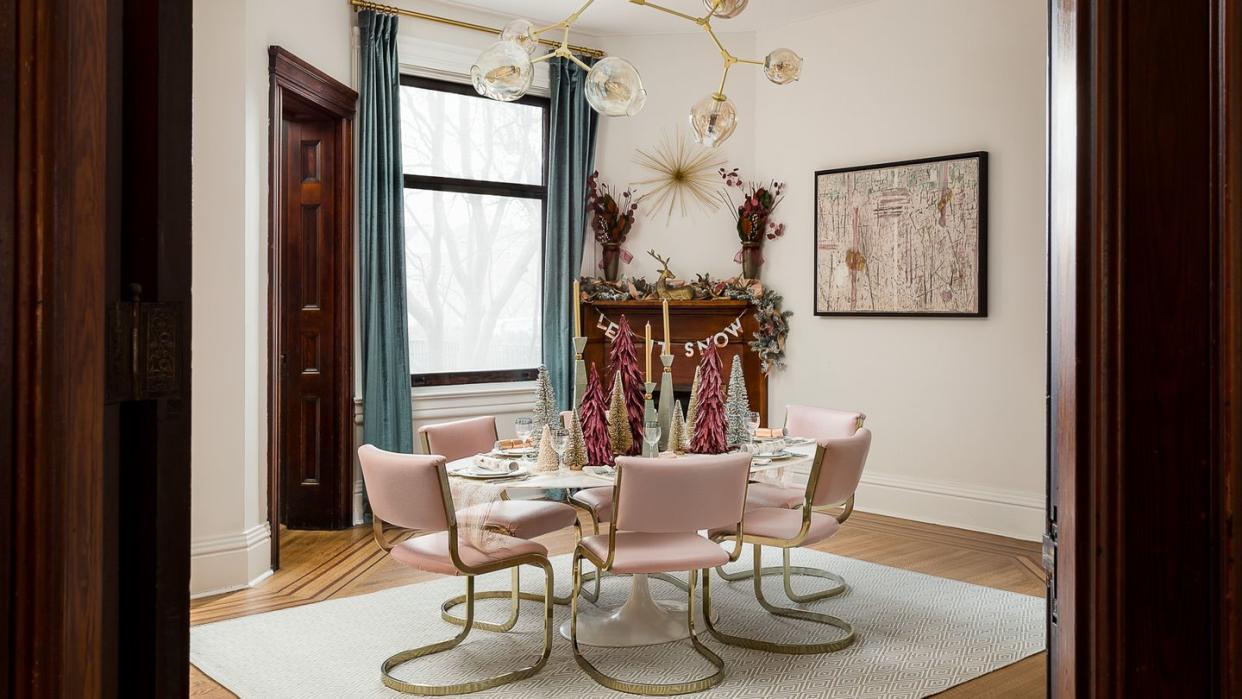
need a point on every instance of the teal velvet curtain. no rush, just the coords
(381, 236)
(571, 158)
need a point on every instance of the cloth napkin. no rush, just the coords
(492, 464)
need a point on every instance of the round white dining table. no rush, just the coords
(642, 620)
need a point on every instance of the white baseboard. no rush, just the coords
(1011, 513)
(231, 561)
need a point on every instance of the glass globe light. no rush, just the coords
(783, 66)
(522, 32)
(503, 71)
(713, 119)
(614, 87)
(727, 9)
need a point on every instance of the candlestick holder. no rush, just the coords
(580, 372)
(666, 400)
(649, 414)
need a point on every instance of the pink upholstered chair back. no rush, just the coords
(404, 489)
(460, 438)
(821, 423)
(665, 496)
(841, 468)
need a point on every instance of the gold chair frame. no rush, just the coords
(602, 566)
(787, 571)
(534, 559)
(756, 573)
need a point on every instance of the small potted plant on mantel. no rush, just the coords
(612, 217)
(753, 216)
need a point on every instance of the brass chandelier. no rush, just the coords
(613, 87)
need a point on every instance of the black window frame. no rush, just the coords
(485, 187)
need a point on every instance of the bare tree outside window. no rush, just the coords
(474, 221)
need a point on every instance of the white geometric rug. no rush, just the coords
(917, 635)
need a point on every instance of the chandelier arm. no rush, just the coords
(675, 13)
(720, 94)
(564, 24)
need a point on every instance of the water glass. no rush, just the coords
(752, 424)
(523, 426)
(651, 434)
(560, 436)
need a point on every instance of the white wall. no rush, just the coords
(229, 533)
(957, 406)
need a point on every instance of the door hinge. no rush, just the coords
(144, 349)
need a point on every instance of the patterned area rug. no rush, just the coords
(917, 635)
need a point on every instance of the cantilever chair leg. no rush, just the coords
(771, 646)
(788, 571)
(477, 685)
(646, 688)
(515, 594)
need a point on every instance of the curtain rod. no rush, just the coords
(367, 5)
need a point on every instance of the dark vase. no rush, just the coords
(612, 261)
(752, 259)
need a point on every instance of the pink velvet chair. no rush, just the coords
(818, 424)
(412, 491)
(834, 477)
(524, 519)
(656, 530)
(460, 438)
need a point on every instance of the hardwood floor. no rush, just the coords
(324, 565)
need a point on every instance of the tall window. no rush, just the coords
(474, 220)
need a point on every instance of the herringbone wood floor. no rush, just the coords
(323, 565)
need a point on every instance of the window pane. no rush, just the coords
(445, 134)
(472, 281)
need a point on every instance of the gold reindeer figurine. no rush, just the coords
(663, 290)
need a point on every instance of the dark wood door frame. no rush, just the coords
(95, 124)
(1146, 355)
(297, 87)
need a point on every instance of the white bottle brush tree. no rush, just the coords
(545, 412)
(737, 407)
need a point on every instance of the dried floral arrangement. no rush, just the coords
(612, 217)
(768, 341)
(753, 215)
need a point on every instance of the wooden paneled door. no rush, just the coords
(309, 436)
(310, 374)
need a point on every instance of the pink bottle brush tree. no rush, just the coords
(594, 419)
(709, 422)
(622, 358)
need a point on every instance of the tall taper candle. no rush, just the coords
(578, 312)
(647, 348)
(666, 339)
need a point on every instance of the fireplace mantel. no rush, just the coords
(691, 322)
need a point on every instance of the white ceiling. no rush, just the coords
(621, 18)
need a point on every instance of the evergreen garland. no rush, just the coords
(737, 407)
(545, 412)
(619, 434)
(595, 421)
(623, 361)
(709, 428)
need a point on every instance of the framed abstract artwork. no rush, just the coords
(903, 239)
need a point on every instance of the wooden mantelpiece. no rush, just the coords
(692, 322)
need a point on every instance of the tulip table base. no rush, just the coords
(641, 621)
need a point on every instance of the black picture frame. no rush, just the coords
(982, 246)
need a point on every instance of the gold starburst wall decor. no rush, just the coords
(684, 175)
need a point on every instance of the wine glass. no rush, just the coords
(523, 426)
(651, 435)
(559, 436)
(752, 424)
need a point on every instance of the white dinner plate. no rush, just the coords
(474, 472)
(517, 451)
